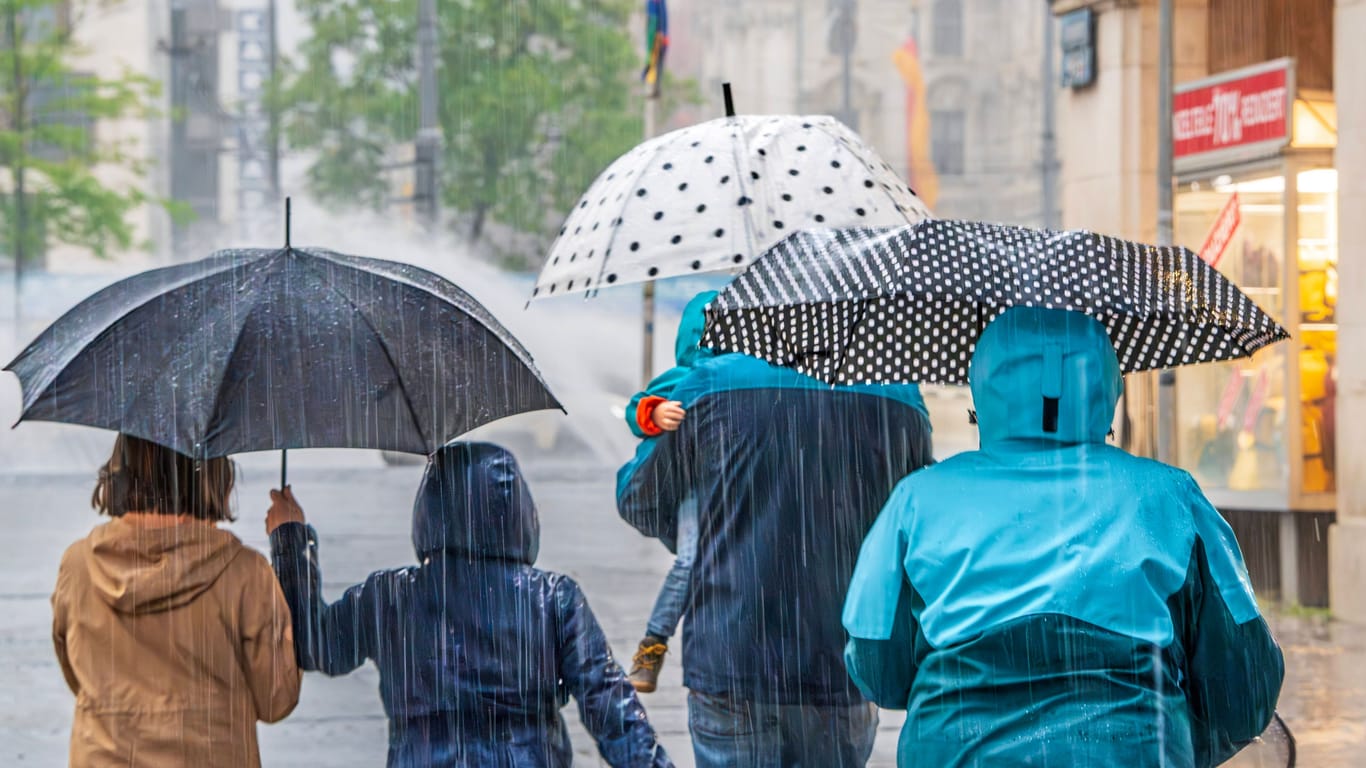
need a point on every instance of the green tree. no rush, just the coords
(47, 148)
(536, 97)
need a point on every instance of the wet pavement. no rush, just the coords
(361, 508)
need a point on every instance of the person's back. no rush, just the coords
(789, 473)
(1049, 599)
(173, 636)
(477, 650)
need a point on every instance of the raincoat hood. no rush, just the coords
(690, 326)
(1044, 374)
(474, 503)
(139, 570)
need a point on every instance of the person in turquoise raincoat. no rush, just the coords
(650, 414)
(1050, 600)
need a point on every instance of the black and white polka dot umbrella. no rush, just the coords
(715, 195)
(907, 304)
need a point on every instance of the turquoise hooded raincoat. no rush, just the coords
(1050, 600)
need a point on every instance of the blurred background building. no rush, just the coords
(948, 91)
(1020, 111)
(1259, 180)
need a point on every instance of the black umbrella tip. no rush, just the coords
(730, 102)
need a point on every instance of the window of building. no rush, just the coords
(56, 108)
(947, 34)
(948, 128)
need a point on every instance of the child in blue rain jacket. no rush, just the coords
(477, 650)
(650, 414)
(1050, 600)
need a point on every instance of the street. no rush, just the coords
(361, 508)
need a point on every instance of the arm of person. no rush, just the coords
(1235, 668)
(333, 638)
(608, 705)
(640, 409)
(271, 667)
(879, 616)
(640, 415)
(59, 625)
(652, 485)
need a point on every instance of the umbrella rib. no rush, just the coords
(218, 390)
(621, 212)
(886, 193)
(388, 356)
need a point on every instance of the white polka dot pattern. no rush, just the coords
(907, 304)
(713, 196)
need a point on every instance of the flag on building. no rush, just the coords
(656, 43)
(919, 162)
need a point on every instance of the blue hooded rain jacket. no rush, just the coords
(1050, 600)
(788, 474)
(477, 650)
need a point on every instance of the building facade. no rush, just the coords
(1257, 164)
(189, 139)
(947, 91)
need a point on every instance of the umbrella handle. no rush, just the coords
(284, 466)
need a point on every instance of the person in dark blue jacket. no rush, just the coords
(477, 650)
(1050, 600)
(788, 474)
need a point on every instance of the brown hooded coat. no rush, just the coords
(175, 640)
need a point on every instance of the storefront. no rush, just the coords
(1256, 193)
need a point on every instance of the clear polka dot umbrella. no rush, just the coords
(713, 196)
(906, 304)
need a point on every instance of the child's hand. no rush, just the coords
(283, 509)
(668, 415)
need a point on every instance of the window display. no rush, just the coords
(1318, 295)
(1241, 423)
(1231, 416)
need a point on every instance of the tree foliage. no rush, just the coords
(535, 97)
(48, 148)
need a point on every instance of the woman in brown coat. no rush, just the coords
(174, 637)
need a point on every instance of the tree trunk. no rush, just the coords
(17, 169)
(477, 226)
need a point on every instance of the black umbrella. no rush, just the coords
(907, 304)
(263, 349)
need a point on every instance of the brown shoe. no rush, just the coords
(646, 663)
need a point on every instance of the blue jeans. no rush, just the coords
(731, 733)
(673, 595)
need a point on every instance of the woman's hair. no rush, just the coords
(142, 476)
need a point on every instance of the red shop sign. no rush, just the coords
(1221, 233)
(1234, 110)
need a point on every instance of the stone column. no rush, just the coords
(1347, 538)
(1107, 141)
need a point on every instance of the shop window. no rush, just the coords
(1240, 421)
(1317, 337)
(947, 141)
(1232, 416)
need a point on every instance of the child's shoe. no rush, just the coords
(645, 665)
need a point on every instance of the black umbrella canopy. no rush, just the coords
(907, 304)
(262, 349)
